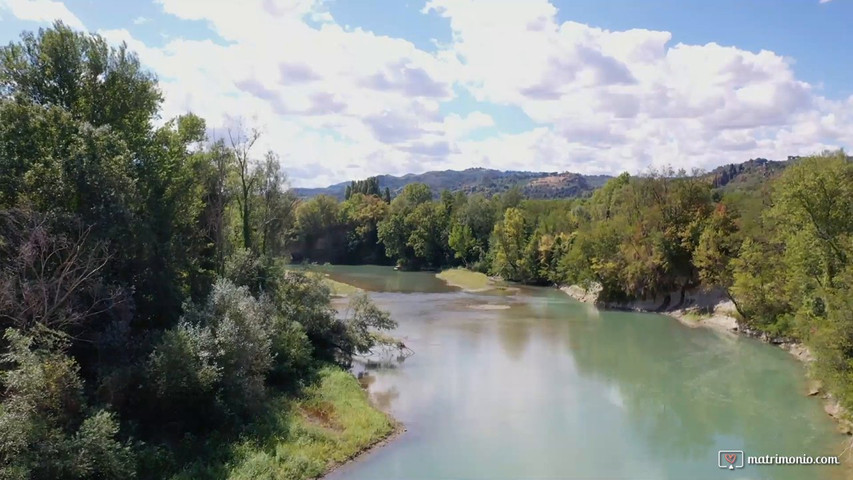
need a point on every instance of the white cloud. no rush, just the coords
(340, 103)
(140, 20)
(45, 11)
(627, 99)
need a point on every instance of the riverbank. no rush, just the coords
(327, 425)
(713, 309)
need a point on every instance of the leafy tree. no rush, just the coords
(718, 245)
(320, 228)
(277, 210)
(362, 215)
(81, 74)
(241, 143)
(509, 240)
(363, 320)
(463, 243)
(369, 187)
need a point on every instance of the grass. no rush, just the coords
(302, 438)
(465, 279)
(340, 289)
(693, 316)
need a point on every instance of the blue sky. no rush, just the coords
(349, 88)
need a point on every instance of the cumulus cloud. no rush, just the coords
(44, 11)
(340, 103)
(629, 98)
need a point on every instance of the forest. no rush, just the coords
(148, 319)
(149, 315)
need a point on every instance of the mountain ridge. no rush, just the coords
(481, 180)
(539, 185)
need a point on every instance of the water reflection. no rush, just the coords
(549, 389)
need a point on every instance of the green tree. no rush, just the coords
(718, 245)
(465, 248)
(509, 240)
(81, 74)
(320, 228)
(362, 215)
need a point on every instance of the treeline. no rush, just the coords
(146, 316)
(781, 249)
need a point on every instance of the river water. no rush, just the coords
(527, 383)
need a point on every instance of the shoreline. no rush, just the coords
(712, 310)
(397, 430)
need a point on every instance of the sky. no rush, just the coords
(345, 89)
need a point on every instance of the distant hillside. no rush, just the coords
(482, 180)
(746, 175)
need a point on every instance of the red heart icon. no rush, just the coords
(730, 457)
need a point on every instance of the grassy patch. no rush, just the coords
(465, 279)
(693, 316)
(340, 289)
(302, 438)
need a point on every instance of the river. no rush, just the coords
(531, 384)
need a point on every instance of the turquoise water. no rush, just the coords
(535, 385)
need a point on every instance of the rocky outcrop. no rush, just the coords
(695, 307)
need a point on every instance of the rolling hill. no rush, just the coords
(482, 180)
(746, 175)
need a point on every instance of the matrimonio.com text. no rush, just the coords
(735, 459)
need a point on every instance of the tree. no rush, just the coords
(509, 240)
(277, 207)
(241, 142)
(718, 245)
(758, 286)
(463, 243)
(812, 204)
(214, 364)
(398, 231)
(362, 215)
(81, 74)
(368, 187)
(320, 228)
(363, 321)
(427, 227)
(217, 197)
(51, 283)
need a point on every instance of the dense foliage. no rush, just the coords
(145, 310)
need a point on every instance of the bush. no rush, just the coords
(45, 432)
(217, 358)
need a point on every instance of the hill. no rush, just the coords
(746, 175)
(481, 180)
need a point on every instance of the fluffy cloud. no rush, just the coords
(42, 11)
(342, 103)
(629, 99)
